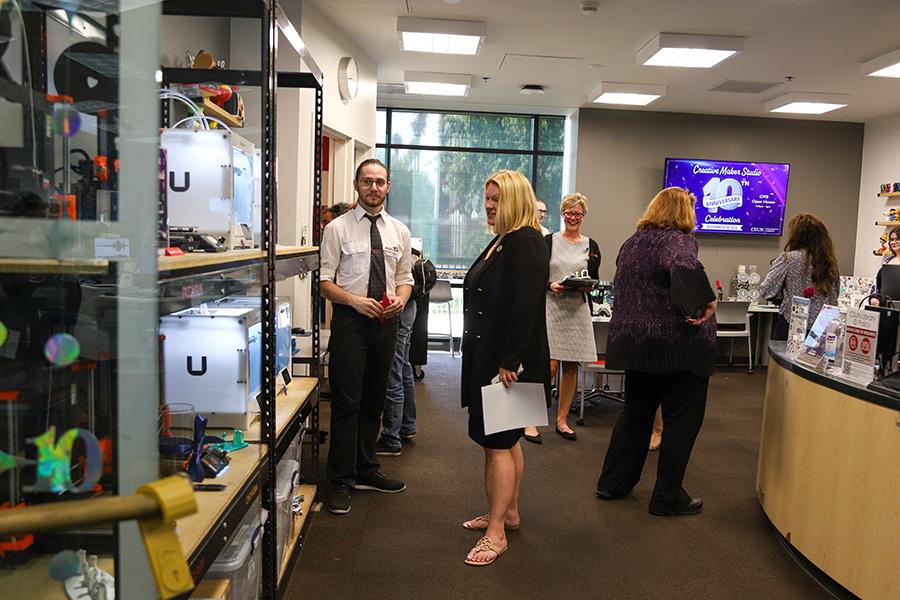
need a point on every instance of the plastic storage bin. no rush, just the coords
(241, 561)
(295, 450)
(287, 476)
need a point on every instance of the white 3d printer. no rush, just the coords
(212, 186)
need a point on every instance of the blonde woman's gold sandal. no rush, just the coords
(486, 519)
(485, 544)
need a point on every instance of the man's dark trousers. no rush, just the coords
(361, 351)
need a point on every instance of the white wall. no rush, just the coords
(352, 121)
(881, 149)
(327, 43)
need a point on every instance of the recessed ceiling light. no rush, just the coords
(531, 90)
(691, 51)
(629, 94)
(440, 36)
(807, 103)
(887, 65)
(436, 84)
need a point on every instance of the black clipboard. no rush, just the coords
(690, 291)
(581, 284)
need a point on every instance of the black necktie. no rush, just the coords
(377, 285)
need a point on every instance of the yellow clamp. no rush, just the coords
(175, 497)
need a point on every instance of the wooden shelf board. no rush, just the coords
(212, 109)
(309, 494)
(889, 194)
(211, 505)
(887, 223)
(194, 260)
(286, 406)
(54, 266)
(31, 581)
(197, 260)
(284, 251)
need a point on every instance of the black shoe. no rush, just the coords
(693, 507)
(339, 499)
(407, 437)
(377, 482)
(608, 495)
(383, 449)
(534, 439)
(567, 435)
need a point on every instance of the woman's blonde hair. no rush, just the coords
(671, 208)
(571, 200)
(515, 209)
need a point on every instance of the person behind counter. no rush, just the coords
(505, 329)
(807, 268)
(894, 246)
(667, 356)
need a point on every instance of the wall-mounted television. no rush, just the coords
(733, 197)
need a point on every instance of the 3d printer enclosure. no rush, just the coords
(212, 357)
(211, 184)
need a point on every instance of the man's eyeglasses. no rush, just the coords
(542, 211)
(369, 182)
(571, 214)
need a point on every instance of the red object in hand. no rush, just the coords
(809, 292)
(718, 284)
(385, 302)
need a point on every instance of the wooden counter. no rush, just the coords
(828, 475)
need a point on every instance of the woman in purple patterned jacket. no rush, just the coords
(667, 357)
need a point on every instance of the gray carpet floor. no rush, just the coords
(571, 545)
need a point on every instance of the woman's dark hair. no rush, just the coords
(371, 161)
(808, 232)
(339, 208)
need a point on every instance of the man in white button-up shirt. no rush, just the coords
(368, 299)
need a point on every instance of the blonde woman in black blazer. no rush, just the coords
(505, 328)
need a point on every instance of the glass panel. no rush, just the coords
(381, 126)
(79, 186)
(462, 130)
(438, 194)
(549, 188)
(551, 134)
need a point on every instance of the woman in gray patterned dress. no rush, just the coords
(807, 268)
(570, 331)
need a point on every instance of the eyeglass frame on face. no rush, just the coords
(572, 215)
(368, 182)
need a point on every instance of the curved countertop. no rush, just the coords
(778, 351)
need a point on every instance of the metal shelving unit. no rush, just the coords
(274, 433)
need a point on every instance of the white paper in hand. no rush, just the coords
(522, 405)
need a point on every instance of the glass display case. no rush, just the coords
(124, 359)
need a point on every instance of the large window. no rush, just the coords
(439, 161)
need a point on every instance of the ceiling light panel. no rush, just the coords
(887, 65)
(436, 84)
(688, 51)
(807, 103)
(440, 36)
(627, 94)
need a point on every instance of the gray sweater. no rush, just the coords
(790, 274)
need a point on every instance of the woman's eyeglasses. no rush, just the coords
(571, 214)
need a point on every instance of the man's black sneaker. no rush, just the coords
(383, 449)
(339, 499)
(377, 482)
(407, 437)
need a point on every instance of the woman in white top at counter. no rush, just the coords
(807, 268)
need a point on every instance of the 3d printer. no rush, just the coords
(211, 189)
(212, 359)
